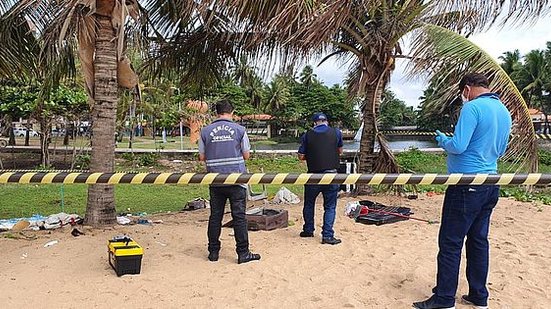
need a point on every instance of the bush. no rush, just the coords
(146, 159)
(544, 157)
(82, 161)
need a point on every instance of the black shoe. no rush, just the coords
(247, 257)
(468, 301)
(213, 256)
(431, 304)
(330, 241)
(306, 234)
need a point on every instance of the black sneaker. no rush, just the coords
(468, 301)
(247, 257)
(306, 234)
(330, 241)
(213, 256)
(431, 304)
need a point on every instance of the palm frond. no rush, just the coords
(494, 12)
(445, 56)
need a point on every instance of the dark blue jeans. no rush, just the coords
(238, 199)
(466, 213)
(311, 192)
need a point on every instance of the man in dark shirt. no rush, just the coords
(321, 147)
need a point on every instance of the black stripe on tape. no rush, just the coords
(173, 178)
(150, 178)
(59, 178)
(15, 177)
(267, 178)
(37, 178)
(314, 179)
(465, 180)
(243, 178)
(104, 178)
(82, 178)
(518, 179)
(196, 178)
(219, 179)
(127, 178)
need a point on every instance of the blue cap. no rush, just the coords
(319, 117)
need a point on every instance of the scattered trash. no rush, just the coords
(177, 161)
(50, 243)
(144, 221)
(412, 196)
(285, 196)
(123, 220)
(8, 224)
(20, 226)
(158, 221)
(160, 243)
(56, 221)
(39, 222)
(24, 256)
(431, 194)
(350, 208)
(198, 203)
(76, 232)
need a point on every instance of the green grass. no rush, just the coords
(25, 200)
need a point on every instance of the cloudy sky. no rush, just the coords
(495, 42)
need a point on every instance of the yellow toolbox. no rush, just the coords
(125, 255)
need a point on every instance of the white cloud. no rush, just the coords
(495, 42)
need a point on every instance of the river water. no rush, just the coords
(395, 143)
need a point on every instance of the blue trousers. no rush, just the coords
(466, 213)
(311, 192)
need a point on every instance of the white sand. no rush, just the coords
(387, 266)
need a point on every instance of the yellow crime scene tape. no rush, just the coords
(274, 179)
(421, 133)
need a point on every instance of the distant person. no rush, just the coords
(224, 146)
(480, 138)
(321, 147)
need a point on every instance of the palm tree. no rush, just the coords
(277, 94)
(510, 61)
(368, 35)
(96, 30)
(533, 76)
(307, 77)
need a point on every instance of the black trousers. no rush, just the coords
(238, 199)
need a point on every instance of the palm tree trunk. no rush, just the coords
(100, 209)
(11, 140)
(372, 102)
(44, 141)
(27, 136)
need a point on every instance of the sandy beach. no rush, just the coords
(387, 266)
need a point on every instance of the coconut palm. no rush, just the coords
(533, 76)
(510, 61)
(96, 30)
(307, 77)
(277, 94)
(368, 35)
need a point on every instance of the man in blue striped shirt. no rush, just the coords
(224, 146)
(480, 138)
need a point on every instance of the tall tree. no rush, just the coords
(367, 35)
